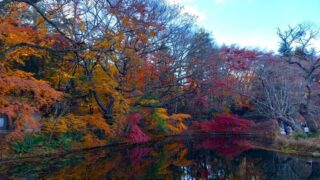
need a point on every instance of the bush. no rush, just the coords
(299, 135)
(312, 135)
(32, 141)
(226, 124)
(302, 135)
(28, 143)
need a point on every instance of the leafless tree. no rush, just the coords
(296, 49)
(278, 91)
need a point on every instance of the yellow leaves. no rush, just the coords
(55, 127)
(61, 77)
(98, 122)
(90, 55)
(149, 101)
(65, 124)
(161, 119)
(60, 127)
(91, 141)
(126, 21)
(173, 147)
(161, 113)
(130, 53)
(18, 55)
(15, 34)
(3, 101)
(180, 116)
(173, 122)
(182, 161)
(177, 128)
(106, 83)
(163, 169)
(113, 71)
(152, 34)
(106, 44)
(85, 124)
(119, 37)
(227, 111)
(41, 25)
(82, 26)
(143, 38)
(113, 58)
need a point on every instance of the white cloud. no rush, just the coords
(249, 41)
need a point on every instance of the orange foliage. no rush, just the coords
(22, 96)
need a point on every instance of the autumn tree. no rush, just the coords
(101, 55)
(22, 96)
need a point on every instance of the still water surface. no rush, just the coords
(201, 157)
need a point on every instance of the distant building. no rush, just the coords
(4, 124)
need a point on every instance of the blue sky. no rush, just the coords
(251, 23)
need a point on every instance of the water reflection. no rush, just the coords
(179, 158)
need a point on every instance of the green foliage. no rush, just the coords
(32, 141)
(161, 126)
(149, 95)
(288, 149)
(312, 135)
(160, 122)
(28, 143)
(299, 135)
(64, 140)
(302, 135)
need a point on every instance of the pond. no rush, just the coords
(200, 157)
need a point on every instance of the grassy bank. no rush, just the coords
(44, 151)
(298, 144)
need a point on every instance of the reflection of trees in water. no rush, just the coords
(214, 158)
(212, 162)
(273, 166)
(217, 158)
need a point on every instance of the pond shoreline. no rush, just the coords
(55, 154)
(60, 153)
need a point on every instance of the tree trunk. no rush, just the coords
(293, 125)
(106, 109)
(305, 111)
(308, 118)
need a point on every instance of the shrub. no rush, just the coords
(27, 144)
(302, 135)
(299, 135)
(226, 124)
(32, 141)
